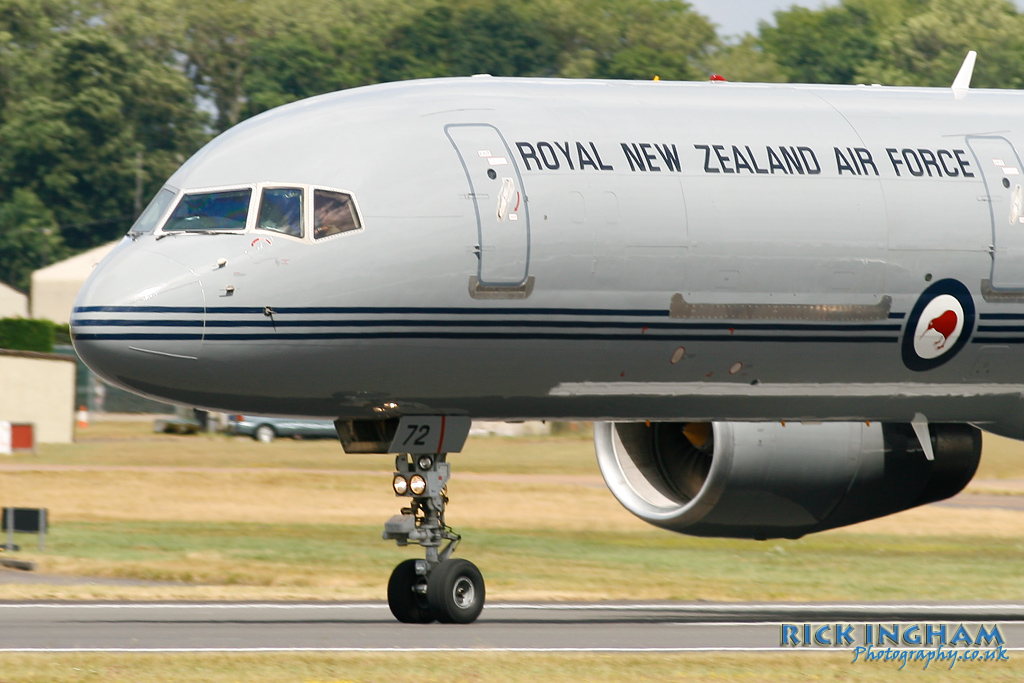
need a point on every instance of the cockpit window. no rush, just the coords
(146, 221)
(333, 213)
(204, 211)
(281, 211)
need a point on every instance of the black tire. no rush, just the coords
(455, 592)
(408, 606)
(264, 434)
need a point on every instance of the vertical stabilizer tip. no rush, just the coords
(963, 78)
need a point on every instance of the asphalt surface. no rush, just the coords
(581, 627)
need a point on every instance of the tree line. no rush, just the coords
(101, 100)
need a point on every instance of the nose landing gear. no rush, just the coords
(437, 588)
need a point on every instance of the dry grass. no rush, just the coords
(366, 499)
(303, 498)
(471, 667)
(134, 443)
(1001, 458)
(937, 520)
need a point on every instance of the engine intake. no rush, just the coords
(770, 480)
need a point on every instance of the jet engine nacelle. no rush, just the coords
(769, 480)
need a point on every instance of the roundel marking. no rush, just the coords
(939, 325)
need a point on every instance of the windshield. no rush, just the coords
(146, 221)
(281, 211)
(333, 213)
(227, 210)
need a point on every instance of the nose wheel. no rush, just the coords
(407, 594)
(437, 588)
(455, 592)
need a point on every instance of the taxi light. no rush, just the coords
(417, 484)
(425, 462)
(400, 485)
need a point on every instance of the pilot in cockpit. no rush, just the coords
(332, 214)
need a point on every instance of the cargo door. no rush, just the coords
(1001, 169)
(502, 216)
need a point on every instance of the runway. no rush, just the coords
(542, 627)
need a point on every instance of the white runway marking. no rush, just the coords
(782, 608)
(568, 650)
(192, 605)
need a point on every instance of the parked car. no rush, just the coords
(266, 429)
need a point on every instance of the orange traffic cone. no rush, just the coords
(83, 417)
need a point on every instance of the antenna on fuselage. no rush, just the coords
(962, 82)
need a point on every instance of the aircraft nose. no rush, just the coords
(138, 321)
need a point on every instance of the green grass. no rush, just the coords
(796, 667)
(649, 565)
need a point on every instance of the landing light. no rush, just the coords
(400, 485)
(417, 484)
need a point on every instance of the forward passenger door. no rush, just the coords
(499, 201)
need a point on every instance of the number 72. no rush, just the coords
(417, 435)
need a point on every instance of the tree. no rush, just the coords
(632, 39)
(746, 61)
(29, 238)
(288, 68)
(474, 36)
(928, 48)
(247, 55)
(830, 45)
(90, 119)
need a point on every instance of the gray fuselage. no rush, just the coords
(644, 250)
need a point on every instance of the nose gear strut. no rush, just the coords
(438, 587)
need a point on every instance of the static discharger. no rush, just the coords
(697, 433)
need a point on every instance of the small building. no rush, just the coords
(39, 388)
(13, 304)
(55, 287)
